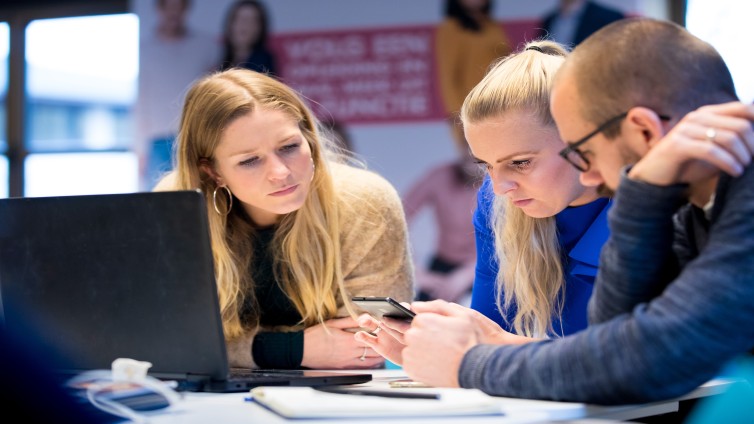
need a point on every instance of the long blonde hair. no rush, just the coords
(530, 275)
(306, 242)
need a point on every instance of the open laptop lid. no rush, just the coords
(98, 277)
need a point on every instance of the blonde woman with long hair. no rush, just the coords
(545, 228)
(295, 232)
(539, 231)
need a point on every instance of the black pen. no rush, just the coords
(380, 393)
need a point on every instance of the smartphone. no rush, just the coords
(380, 307)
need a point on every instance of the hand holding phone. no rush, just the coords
(380, 307)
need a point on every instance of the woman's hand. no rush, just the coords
(384, 337)
(332, 345)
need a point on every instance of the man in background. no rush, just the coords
(574, 20)
(171, 57)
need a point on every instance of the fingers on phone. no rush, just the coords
(367, 321)
(397, 324)
(397, 334)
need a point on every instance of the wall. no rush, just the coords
(401, 151)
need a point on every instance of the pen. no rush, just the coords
(380, 393)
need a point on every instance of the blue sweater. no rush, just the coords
(582, 231)
(669, 310)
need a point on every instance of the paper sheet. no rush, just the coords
(306, 402)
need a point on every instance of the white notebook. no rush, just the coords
(307, 402)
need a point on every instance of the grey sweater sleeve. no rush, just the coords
(662, 348)
(641, 241)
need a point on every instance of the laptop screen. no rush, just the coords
(99, 277)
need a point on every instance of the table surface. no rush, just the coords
(236, 408)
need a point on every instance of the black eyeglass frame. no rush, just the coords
(574, 146)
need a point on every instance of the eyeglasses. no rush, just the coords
(576, 157)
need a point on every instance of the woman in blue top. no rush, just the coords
(534, 217)
(539, 231)
(581, 232)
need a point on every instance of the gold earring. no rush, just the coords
(230, 200)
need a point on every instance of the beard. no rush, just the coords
(605, 191)
(628, 158)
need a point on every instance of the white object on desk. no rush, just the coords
(127, 369)
(306, 402)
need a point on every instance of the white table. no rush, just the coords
(235, 408)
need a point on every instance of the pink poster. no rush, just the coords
(375, 75)
(364, 75)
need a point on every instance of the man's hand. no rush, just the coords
(708, 140)
(487, 331)
(435, 346)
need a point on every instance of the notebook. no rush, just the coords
(308, 403)
(100, 277)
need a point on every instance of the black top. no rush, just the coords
(594, 17)
(272, 349)
(260, 60)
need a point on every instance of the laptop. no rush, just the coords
(100, 277)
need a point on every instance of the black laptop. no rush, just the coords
(100, 277)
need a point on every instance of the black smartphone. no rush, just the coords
(380, 307)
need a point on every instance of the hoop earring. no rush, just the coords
(230, 200)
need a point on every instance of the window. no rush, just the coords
(725, 25)
(81, 86)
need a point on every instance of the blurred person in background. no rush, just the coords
(574, 20)
(467, 41)
(245, 37)
(449, 190)
(171, 56)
